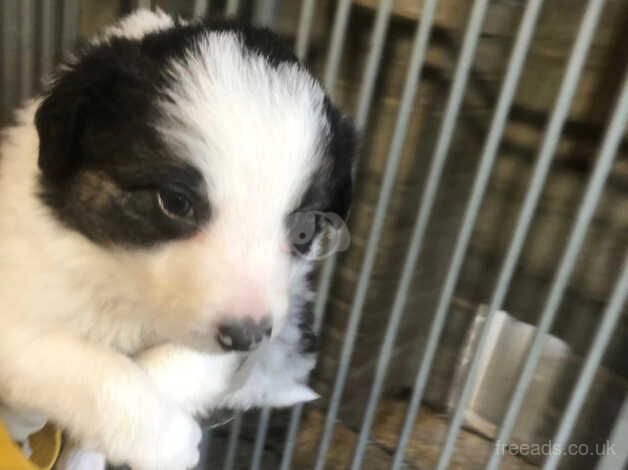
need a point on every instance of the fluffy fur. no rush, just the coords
(109, 304)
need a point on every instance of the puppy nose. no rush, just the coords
(243, 334)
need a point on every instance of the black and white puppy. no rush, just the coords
(147, 207)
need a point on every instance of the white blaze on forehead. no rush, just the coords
(137, 25)
(255, 131)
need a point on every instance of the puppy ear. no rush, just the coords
(83, 94)
(60, 122)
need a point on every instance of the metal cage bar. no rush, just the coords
(200, 8)
(377, 40)
(148, 4)
(585, 213)
(618, 459)
(34, 25)
(324, 285)
(260, 438)
(232, 446)
(232, 8)
(47, 37)
(26, 12)
(364, 100)
(265, 12)
(602, 338)
(304, 29)
(9, 25)
(70, 24)
(425, 208)
(339, 31)
(548, 147)
(454, 102)
(392, 164)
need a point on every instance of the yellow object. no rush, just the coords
(45, 446)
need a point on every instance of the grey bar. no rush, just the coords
(143, 4)
(291, 437)
(232, 7)
(47, 37)
(322, 295)
(585, 214)
(613, 311)
(488, 155)
(200, 8)
(232, 445)
(9, 56)
(378, 38)
(618, 459)
(446, 132)
(70, 25)
(339, 31)
(25, 45)
(203, 450)
(305, 27)
(265, 12)
(548, 147)
(260, 439)
(365, 97)
(392, 164)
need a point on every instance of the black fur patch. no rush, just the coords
(102, 162)
(331, 187)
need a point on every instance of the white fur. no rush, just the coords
(137, 25)
(87, 332)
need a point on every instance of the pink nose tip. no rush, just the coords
(245, 334)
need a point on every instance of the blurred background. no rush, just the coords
(488, 232)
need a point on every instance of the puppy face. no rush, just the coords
(189, 153)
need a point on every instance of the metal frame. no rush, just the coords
(36, 21)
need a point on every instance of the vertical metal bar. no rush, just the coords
(232, 7)
(546, 152)
(291, 437)
(232, 445)
(427, 201)
(47, 38)
(392, 164)
(618, 459)
(489, 153)
(143, 4)
(25, 47)
(9, 54)
(602, 338)
(208, 447)
(442, 147)
(305, 27)
(378, 37)
(338, 34)
(200, 8)
(365, 98)
(70, 25)
(319, 314)
(265, 12)
(203, 450)
(260, 439)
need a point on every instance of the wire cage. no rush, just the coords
(477, 319)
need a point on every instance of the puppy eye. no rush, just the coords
(174, 204)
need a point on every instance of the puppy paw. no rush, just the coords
(174, 445)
